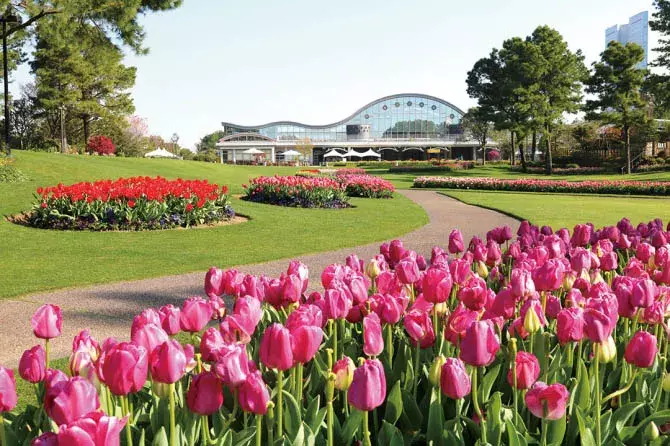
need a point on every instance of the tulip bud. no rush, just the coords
(441, 309)
(435, 371)
(652, 431)
(607, 350)
(343, 370)
(666, 382)
(531, 322)
(482, 270)
(373, 269)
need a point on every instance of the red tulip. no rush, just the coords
(305, 342)
(232, 364)
(551, 398)
(205, 395)
(125, 368)
(69, 400)
(195, 314)
(47, 322)
(455, 242)
(419, 327)
(368, 387)
(527, 370)
(8, 395)
(454, 379)
(169, 317)
(436, 285)
(168, 362)
(253, 394)
(641, 350)
(373, 342)
(150, 336)
(95, 429)
(210, 344)
(214, 284)
(570, 325)
(32, 366)
(480, 344)
(275, 350)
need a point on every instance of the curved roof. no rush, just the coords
(353, 115)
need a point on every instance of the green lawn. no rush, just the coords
(405, 180)
(562, 210)
(36, 260)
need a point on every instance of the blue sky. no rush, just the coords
(255, 61)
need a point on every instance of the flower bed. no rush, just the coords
(130, 204)
(563, 170)
(296, 191)
(531, 185)
(544, 338)
(426, 167)
(351, 171)
(367, 186)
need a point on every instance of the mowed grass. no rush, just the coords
(34, 260)
(565, 210)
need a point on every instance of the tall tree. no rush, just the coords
(617, 83)
(208, 142)
(478, 124)
(559, 84)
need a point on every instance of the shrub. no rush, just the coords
(101, 145)
(572, 166)
(130, 204)
(493, 155)
(296, 191)
(9, 173)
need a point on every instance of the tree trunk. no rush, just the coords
(63, 136)
(522, 156)
(484, 152)
(512, 144)
(628, 160)
(87, 129)
(534, 144)
(547, 156)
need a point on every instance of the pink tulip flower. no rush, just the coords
(368, 387)
(527, 370)
(232, 365)
(641, 350)
(210, 344)
(169, 318)
(70, 400)
(253, 394)
(454, 379)
(205, 395)
(195, 314)
(305, 342)
(436, 285)
(150, 336)
(554, 398)
(275, 348)
(480, 344)
(8, 397)
(125, 368)
(47, 322)
(419, 327)
(32, 366)
(570, 325)
(456, 245)
(373, 342)
(168, 362)
(93, 429)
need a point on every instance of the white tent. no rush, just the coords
(160, 153)
(333, 153)
(292, 153)
(253, 151)
(353, 153)
(371, 152)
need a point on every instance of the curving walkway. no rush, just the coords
(108, 309)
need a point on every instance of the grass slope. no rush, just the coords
(563, 210)
(36, 260)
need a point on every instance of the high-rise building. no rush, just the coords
(636, 31)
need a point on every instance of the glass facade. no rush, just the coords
(636, 31)
(404, 117)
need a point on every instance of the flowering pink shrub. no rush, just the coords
(493, 155)
(101, 145)
(510, 324)
(532, 185)
(297, 191)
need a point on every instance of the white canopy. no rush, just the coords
(292, 153)
(160, 153)
(371, 152)
(253, 151)
(333, 153)
(353, 153)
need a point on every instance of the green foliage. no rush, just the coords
(208, 142)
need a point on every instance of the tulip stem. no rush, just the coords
(475, 403)
(622, 390)
(173, 424)
(259, 432)
(417, 359)
(125, 406)
(389, 342)
(270, 423)
(46, 355)
(205, 430)
(3, 436)
(334, 326)
(543, 441)
(515, 394)
(280, 403)
(299, 382)
(366, 430)
(596, 376)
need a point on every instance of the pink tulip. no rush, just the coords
(344, 373)
(125, 368)
(337, 303)
(368, 387)
(214, 284)
(248, 313)
(147, 316)
(195, 314)
(597, 326)
(46, 439)
(458, 322)
(218, 307)
(460, 270)
(232, 365)
(407, 271)
(253, 394)
(210, 344)
(389, 308)
(641, 350)
(570, 325)
(275, 350)
(81, 364)
(480, 344)
(8, 397)
(47, 322)
(549, 276)
(93, 429)
(419, 327)
(581, 235)
(373, 342)
(169, 317)
(205, 395)
(552, 399)
(473, 294)
(83, 339)
(396, 251)
(644, 293)
(456, 245)
(299, 270)
(168, 362)
(436, 285)
(69, 400)
(305, 314)
(527, 370)
(150, 336)
(291, 290)
(522, 283)
(644, 252)
(32, 366)
(234, 329)
(454, 379)
(232, 280)
(305, 342)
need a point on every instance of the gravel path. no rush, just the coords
(108, 309)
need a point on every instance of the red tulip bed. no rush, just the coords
(529, 185)
(137, 203)
(546, 338)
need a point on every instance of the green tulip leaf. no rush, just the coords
(488, 381)
(435, 420)
(394, 404)
(585, 433)
(246, 436)
(225, 440)
(351, 426)
(513, 437)
(160, 438)
(623, 414)
(314, 416)
(583, 388)
(556, 431)
(390, 435)
(292, 418)
(412, 411)
(659, 418)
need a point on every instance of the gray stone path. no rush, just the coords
(108, 309)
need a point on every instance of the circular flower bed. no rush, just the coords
(297, 191)
(366, 186)
(137, 203)
(549, 338)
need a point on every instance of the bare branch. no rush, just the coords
(33, 19)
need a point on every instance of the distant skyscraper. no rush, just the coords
(636, 31)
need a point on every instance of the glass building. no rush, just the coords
(402, 126)
(636, 31)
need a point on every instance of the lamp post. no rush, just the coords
(6, 18)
